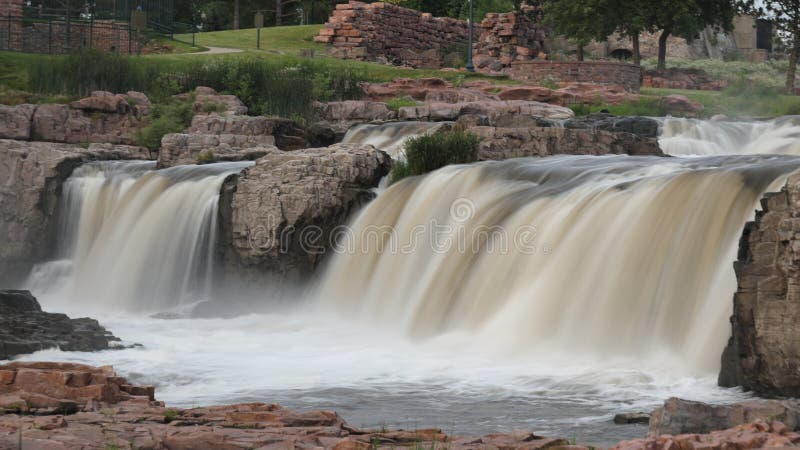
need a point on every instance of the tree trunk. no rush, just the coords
(637, 56)
(278, 12)
(662, 49)
(792, 72)
(235, 14)
(580, 52)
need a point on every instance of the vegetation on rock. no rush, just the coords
(427, 153)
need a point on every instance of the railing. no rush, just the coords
(57, 36)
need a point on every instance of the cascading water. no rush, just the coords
(683, 137)
(134, 238)
(539, 293)
(612, 256)
(390, 137)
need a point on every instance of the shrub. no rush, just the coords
(166, 118)
(205, 157)
(427, 153)
(397, 103)
(282, 87)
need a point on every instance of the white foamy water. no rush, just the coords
(390, 137)
(622, 302)
(684, 137)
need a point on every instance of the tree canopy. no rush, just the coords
(785, 17)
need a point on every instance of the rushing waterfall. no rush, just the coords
(708, 137)
(135, 238)
(390, 137)
(613, 256)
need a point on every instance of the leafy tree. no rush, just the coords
(785, 16)
(581, 20)
(686, 19)
(632, 21)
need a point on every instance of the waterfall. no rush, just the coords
(604, 256)
(135, 238)
(681, 137)
(390, 137)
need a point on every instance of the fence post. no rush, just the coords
(50, 36)
(91, 30)
(9, 31)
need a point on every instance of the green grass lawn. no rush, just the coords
(288, 40)
(737, 104)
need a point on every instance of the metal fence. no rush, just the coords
(44, 27)
(54, 36)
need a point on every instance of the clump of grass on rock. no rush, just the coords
(427, 153)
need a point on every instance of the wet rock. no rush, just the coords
(31, 175)
(629, 418)
(763, 354)
(25, 328)
(114, 414)
(506, 143)
(679, 416)
(640, 126)
(743, 437)
(278, 215)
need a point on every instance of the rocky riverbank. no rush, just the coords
(73, 406)
(25, 328)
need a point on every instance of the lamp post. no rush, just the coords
(470, 67)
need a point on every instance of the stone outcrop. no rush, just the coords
(31, 176)
(287, 134)
(505, 38)
(437, 112)
(208, 100)
(49, 388)
(182, 148)
(763, 354)
(385, 32)
(440, 91)
(25, 328)
(278, 215)
(506, 143)
(679, 416)
(78, 406)
(743, 437)
(641, 126)
(102, 117)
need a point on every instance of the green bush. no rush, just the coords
(167, 118)
(427, 153)
(397, 103)
(282, 87)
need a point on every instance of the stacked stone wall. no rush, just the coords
(389, 33)
(508, 37)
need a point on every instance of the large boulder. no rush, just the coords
(182, 148)
(15, 121)
(763, 354)
(335, 118)
(505, 143)
(679, 416)
(31, 176)
(25, 328)
(287, 134)
(278, 215)
(207, 100)
(681, 106)
(640, 126)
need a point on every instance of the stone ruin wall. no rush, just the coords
(626, 76)
(51, 37)
(506, 38)
(389, 33)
